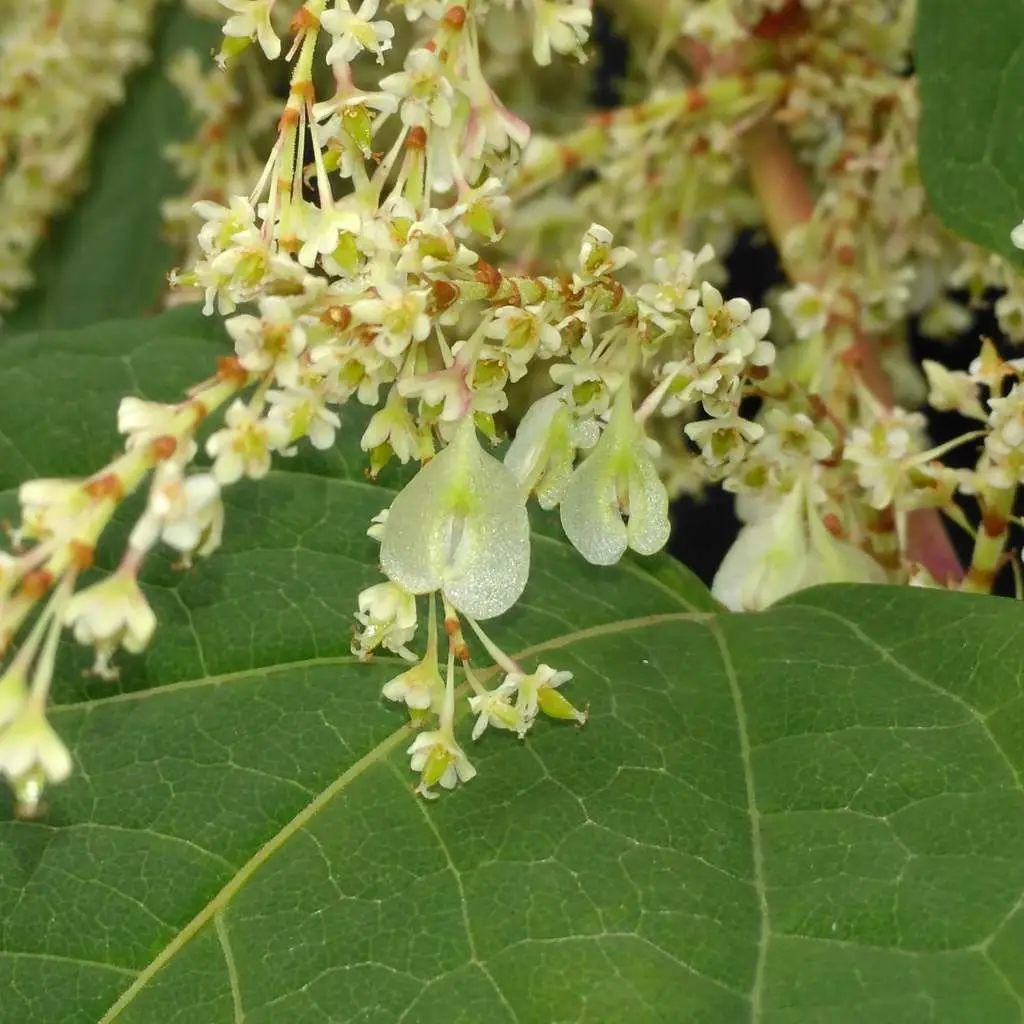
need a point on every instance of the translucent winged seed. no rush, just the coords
(590, 509)
(838, 561)
(490, 563)
(416, 527)
(649, 525)
(542, 453)
(527, 447)
(768, 560)
(460, 526)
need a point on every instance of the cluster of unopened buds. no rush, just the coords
(363, 270)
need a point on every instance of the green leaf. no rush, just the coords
(106, 257)
(810, 815)
(969, 61)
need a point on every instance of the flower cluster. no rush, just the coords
(405, 243)
(62, 66)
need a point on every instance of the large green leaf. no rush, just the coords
(811, 815)
(105, 257)
(970, 63)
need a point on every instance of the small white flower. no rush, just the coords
(395, 426)
(387, 614)
(952, 391)
(142, 422)
(443, 389)
(322, 230)
(536, 691)
(420, 687)
(561, 27)
(29, 743)
(425, 92)
(598, 257)
(302, 412)
(109, 614)
(353, 32)
(1017, 235)
(723, 441)
(806, 308)
(50, 507)
(880, 453)
(440, 761)
(495, 708)
(251, 20)
(399, 312)
(243, 446)
(223, 225)
(272, 341)
(522, 332)
(731, 326)
(186, 511)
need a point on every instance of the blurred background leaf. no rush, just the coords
(106, 256)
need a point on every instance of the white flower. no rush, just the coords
(111, 613)
(322, 230)
(302, 412)
(142, 422)
(444, 389)
(674, 291)
(723, 441)
(495, 708)
(243, 446)
(387, 614)
(537, 691)
(522, 331)
(1017, 235)
(586, 385)
(806, 308)
(460, 526)
(618, 479)
(272, 341)
(952, 390)
(598, 257)
(353, 32)
(880, 454)
(29, 743)
(400, 313)
(50, 507)
(731, 326)
(187, 511)
(252, 21)
(440, 761)
(713, 24)
(420, 687)
(394, 426)
(425, 92)
(224, 224)
(561, 27)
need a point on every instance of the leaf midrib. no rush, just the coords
(238, 881)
